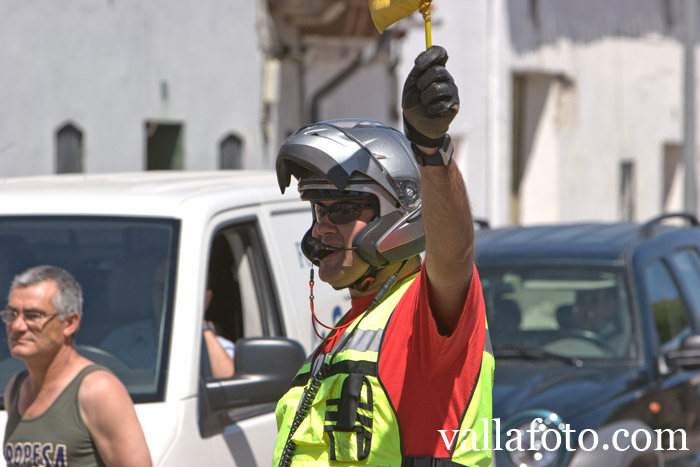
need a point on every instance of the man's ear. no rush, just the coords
(71, 324)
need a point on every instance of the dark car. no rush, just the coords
(596, 333)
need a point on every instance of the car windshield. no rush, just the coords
(537, 312)
(125, 267)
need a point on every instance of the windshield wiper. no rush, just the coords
(530, 353)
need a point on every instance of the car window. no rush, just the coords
(667, 306)
(126, 268)
(581, 313)
(687, 262)
(243, 304)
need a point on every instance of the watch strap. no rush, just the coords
(209, 326)
(440, 158)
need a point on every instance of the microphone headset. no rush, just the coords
(319, 250)
(315, 250)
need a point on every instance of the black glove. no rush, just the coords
(430, 99)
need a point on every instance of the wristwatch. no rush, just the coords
(208, 325)
(440, 158)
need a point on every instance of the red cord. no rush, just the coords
(314, 318)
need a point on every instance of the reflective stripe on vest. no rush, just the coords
(351, 410)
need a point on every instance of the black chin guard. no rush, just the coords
(309, 249)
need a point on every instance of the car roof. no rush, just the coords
(583, 242)
(165, 193)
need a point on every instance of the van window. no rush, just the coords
(243, 302)
(126, 268)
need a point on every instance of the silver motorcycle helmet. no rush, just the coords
(350, 158)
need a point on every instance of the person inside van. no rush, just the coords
(597, 311)
(221, 350)
(136, 292)
(136, 343)
(594, 310)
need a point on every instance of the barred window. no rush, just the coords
(69, 149)
(231, 152)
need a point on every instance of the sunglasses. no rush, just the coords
(340, 213)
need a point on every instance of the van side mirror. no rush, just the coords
(687, 357)
(265, 367)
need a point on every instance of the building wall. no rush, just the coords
(623, 105)
(110, 66)
(620, 66)
(365, 88)
(603, 87)
(614, 81)
(463, 29)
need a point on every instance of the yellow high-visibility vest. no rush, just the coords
(343, 414)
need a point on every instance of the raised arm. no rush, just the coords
(110, 418)
(430, 103)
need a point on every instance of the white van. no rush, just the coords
(230, 231)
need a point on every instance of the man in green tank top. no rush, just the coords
(64, 409)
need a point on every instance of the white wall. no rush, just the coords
(103, 64)
(616, 94)
(626, 106)
(366, 91)
(624, 63)
(462, 28)
(617, 70)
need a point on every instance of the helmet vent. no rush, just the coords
(408, 192)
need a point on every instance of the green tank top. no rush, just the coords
(58, 437)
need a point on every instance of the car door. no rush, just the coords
(241, 302)
(685, 264)
(260, 288)
(674, 405)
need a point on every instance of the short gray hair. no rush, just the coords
(69, 296)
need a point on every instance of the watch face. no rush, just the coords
(440, 158)
(447, 150)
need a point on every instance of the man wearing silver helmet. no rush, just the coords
(405, 377)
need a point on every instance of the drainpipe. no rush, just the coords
(690, 194)
(364, 58)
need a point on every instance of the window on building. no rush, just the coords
(627, 191)
(231, 152)
(69, 149)
(672, 188)
(164, 146)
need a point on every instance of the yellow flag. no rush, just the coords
(387, 12)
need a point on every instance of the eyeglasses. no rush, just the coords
(33, 319)
(340, 213)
